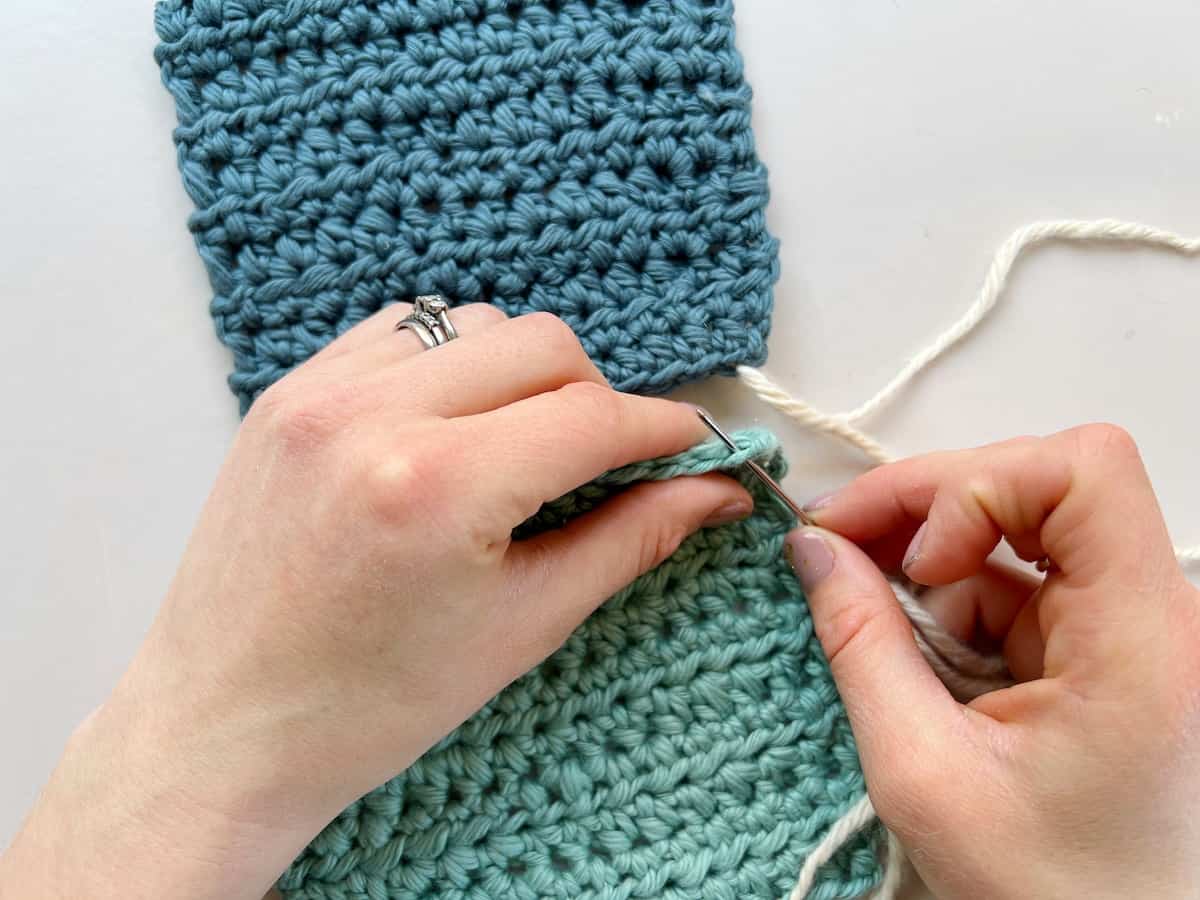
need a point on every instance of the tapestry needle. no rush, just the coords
(759, 472)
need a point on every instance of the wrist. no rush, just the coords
(128, 813)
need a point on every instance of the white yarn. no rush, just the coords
(808, 415)
(963, 657)
(1188, 555)
(855, 819)
(965, 672)
(858, 817)
(1110, 230)
(893, 870)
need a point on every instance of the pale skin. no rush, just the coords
(1083, 779)
(352, 593)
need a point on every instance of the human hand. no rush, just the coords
(352, 593)
(1080, 781)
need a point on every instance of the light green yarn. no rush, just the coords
(687, 742)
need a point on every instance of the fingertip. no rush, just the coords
(698, 417)
(814, 552)
(867, 640)
(820, 504)
(912, 556)
(677, 422)
(849, 510)
(954, 541)
(698, 501)
(738, 506)
(810, 555)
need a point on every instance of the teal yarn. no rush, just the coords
(686, 742)
(592, 158)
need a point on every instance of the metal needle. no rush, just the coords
(759, 472)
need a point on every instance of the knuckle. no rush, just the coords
(300, 419)
(551, 331)
(399, 488)
(992, 503)
(596, 407)
(271, 404)
(483, 313)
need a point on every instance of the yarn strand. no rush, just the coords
(965, 672)
(860, 815)
(1076, 230)
(808, 415)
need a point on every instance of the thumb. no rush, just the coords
(900, 712)
(566, 573)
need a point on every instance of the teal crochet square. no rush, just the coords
(687, 742)
(592, 158)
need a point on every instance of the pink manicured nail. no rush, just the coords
(914, 548)
(730, 512)
(820, 502)
(810, 557)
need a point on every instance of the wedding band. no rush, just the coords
(428, 341)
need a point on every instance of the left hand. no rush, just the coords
(352, 593)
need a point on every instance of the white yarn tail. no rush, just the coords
(965, 672)
(893, 870)
(856, 818)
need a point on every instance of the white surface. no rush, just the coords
(905, 140)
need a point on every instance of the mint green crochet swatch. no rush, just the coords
(687, 742)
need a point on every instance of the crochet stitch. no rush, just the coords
(686, 742)
(592, 158)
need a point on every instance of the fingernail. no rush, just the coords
(820, 502)
(810, 556)
(730, 512)
(913, 553)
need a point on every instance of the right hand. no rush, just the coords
(1082, 780)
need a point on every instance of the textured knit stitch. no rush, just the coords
(687, 742)
(592, 158)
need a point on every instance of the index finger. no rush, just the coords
(1081, 497)
(556, 441)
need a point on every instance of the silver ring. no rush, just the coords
(419, 329)
(430, 321)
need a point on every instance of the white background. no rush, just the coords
(905, 139)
